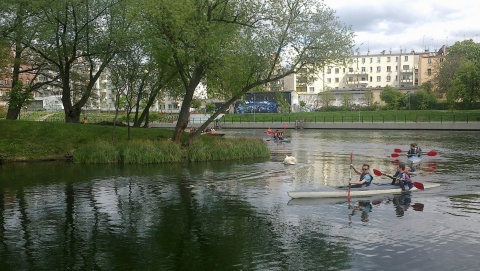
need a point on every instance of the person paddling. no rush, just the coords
(401, 177)
(365, 176)
(415, 150)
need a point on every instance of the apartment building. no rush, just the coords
(363, 74)
(429, 63)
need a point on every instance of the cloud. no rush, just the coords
(408, 24)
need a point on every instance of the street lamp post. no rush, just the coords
(254, 107)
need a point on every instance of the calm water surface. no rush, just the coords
(238, 216)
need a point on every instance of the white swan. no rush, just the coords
(289, 160)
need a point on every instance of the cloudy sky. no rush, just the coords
(408, 24)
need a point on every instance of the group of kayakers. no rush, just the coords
(401, 177)
(277, 134)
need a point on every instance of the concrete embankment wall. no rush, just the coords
(441, 126)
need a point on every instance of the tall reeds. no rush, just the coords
(129, 152)
(165, 151)
(227, 149)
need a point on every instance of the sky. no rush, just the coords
(394, 25)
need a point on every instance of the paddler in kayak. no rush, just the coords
(365, 176)
(414, 150)
(402, 178)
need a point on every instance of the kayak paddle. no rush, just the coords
(430, 153)
(379, 173)
(348, 193)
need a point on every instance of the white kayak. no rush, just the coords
(374, 189)
(414, 159)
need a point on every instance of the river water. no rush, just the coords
(238, 216)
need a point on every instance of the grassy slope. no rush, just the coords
(29, 139)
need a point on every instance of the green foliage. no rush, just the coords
(466, 85)
(227, 149)
(129, 152)
(19, 96)
(394, 98)
(457, 75)
(210, 108)
(25, 140)
(422, 99)
(196, 103)
(326, 97)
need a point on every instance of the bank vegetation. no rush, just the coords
(89, 143)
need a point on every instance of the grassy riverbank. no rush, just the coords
(35, 141)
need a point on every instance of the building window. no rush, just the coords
(337, 70)
(329, 80)
(441, 60)
(364, 69)
(371, 78)
(429, 61)
(371, 69)
(389, 68)
(350, 79)
(406, 67)
(337, 80)
(388, 59)
(350, 69)
(379, 69)
(389, 78)
(396, 59)
(429, 71)
(406, 58)
(371, 60)
(312, 89)
(379, 78)
(378, 59)
(329, 71)
(363, 60)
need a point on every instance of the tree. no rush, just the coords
(422, 99)
(236, 46)
(233, 47)
(78, 39)
(368, 97)
(326, 97)
(17, 27)
(466, 85)
(458, 53)
(394, 98)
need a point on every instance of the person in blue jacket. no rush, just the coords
(402, 178)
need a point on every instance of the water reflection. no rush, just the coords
(237, 215)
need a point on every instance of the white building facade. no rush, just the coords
(359, 75)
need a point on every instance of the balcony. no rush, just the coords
(362, 83)
(356, 72)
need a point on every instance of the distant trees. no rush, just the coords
(459, 76)
(394, 98)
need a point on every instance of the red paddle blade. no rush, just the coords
(395, 155)
(418, 185)
(377, 172)
(432, 153)
(397, 150)
(351, 156)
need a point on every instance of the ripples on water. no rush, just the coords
(237, 215)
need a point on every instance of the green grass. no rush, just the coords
(361, 116)
(29, 140)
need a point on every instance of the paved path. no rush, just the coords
(43, 118)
